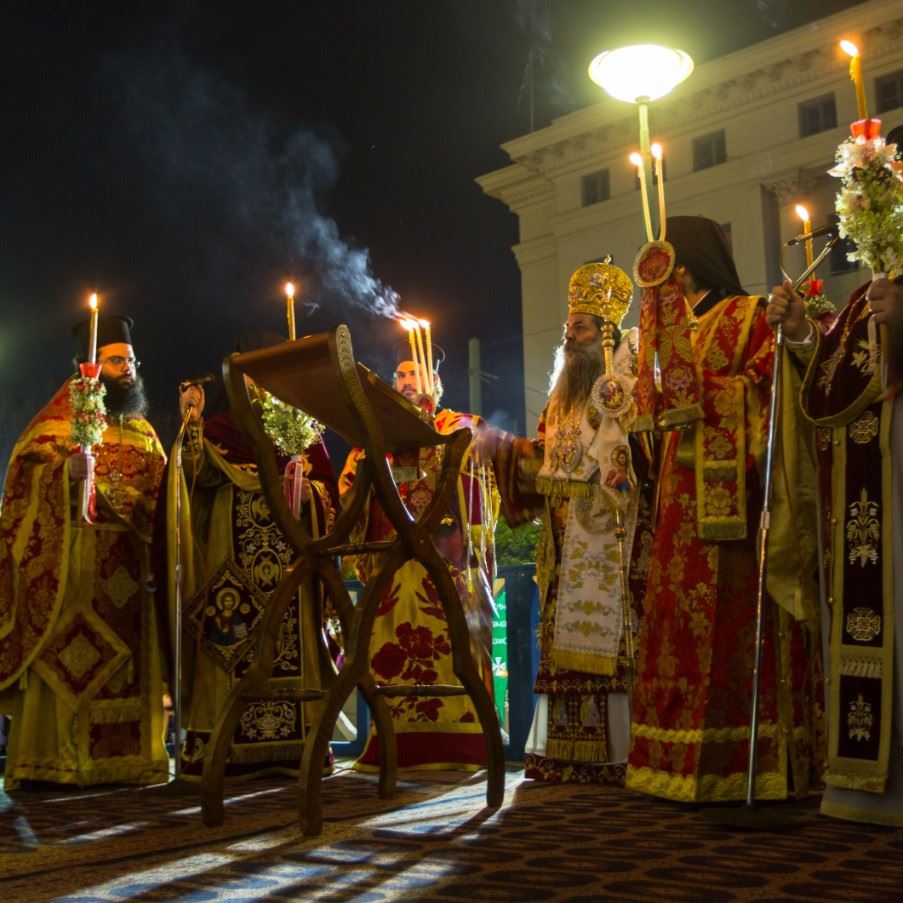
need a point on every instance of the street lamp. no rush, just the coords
(640, 74)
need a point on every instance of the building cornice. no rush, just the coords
(796, 60)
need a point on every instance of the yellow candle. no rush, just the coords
(657, 155)
(637, 161)
(422, 361)
(852, 50)
(92, 329)
(290, 309)
(429, 353)
(409, 325)
(803, 214)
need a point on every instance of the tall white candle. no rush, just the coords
(92, 329)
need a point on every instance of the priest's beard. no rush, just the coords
(125, 395)
(575, 370)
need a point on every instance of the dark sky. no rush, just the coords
(184, 159)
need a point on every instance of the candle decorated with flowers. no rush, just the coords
(855, 56)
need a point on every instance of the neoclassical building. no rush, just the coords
(746, 138)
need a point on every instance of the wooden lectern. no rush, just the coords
(319, 375)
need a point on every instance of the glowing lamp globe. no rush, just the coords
(641, 71)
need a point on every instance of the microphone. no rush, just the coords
(197, 381)
(827, 229)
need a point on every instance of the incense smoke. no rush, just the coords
(246, 188)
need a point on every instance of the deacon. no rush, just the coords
(710, 398)
(410, 642)
(580, 476)
(233, 557)
(853, 399)
(80, 650)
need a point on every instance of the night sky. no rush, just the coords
(185, 159)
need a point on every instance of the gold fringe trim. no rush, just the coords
(677, 418)
(722, 528)
(585, 661)
(251, 753)
(112, 711)
(560, 489)
(577, 750)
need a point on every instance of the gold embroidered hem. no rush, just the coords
(705, 788)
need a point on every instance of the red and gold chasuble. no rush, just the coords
(691, 712)
(80, 661)
(844, 398)
(410, 642)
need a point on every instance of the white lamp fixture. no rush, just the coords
(639, 74)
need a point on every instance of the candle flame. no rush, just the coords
(290, 289)
(849, 48)
(636, 159)
(92, 301)
(408, 324)
(656, 151)
(802, 213)
(424, 323)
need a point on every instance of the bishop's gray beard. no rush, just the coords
(123, 399)
(575, 370)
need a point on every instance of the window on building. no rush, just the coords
(889, 91)
(817, 115)
(596, 187)
(837, 259)
(709, 150)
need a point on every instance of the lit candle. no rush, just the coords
(290, 309)
(637, 160)
(657, 155)
(852, 51)
(92, 329)
(803, 214)
(429, 353)
(409, 325)
(422, 362)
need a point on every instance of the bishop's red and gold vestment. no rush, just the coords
(692, 699)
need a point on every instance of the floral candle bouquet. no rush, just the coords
(292, 432)
(870, 202)
(89, 420)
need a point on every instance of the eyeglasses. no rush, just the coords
(117, 361)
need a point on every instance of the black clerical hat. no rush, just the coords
(111, 329)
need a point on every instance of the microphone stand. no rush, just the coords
(748, 817)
